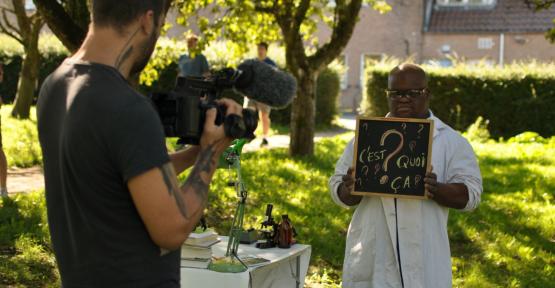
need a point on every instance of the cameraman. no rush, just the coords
(116, 213)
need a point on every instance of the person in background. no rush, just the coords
(3, 161)
(263, 109)
(194, 63)
(403, 243)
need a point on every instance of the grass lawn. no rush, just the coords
(507, 242)
(20, 139)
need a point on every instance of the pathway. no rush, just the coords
(32, 179)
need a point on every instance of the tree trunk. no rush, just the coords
(70, 26)
(302, 115)
(27, 81)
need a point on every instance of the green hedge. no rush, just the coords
(161, 72)
(11, 56)
(517, 98)
(328, 88)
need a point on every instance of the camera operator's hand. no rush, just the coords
(232, 106)
(215, 135)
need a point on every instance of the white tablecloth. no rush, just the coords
(282, 271)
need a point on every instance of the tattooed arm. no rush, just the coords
(171, 212)
(184, 159)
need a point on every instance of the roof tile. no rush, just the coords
(505, 16)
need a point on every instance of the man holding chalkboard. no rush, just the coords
(403, 242)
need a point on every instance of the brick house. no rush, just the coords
(498, 31)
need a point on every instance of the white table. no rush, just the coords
(287, 268)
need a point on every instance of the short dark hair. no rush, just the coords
(120, 13)
(263, 44)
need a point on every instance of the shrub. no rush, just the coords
(515, 99)
(478, 131)
(20, 139)
(527, 137)
(328, 88)
(26, 259)
(327, 91)
(11, 55)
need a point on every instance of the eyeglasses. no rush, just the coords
(398, 94)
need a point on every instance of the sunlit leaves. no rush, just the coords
(244, 23)
(232, 20)
(380, 5)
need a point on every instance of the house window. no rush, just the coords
(466, 2)
(485, 43)
(343, 61)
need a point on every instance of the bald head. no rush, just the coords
(406, 77)
(408, 92)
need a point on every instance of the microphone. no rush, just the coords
(264, 83)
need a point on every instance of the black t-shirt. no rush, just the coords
(96, 133)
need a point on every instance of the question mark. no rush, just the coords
(384, 179)
(396, 151)
(417, 179)
(412, 145)
(363, 170)
(377, 169)
(404, 125)
(420, 129)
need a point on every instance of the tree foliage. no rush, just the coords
(294, 23)
(543, 5)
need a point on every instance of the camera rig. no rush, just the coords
(183, 110)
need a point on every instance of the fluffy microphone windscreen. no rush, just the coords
(266, 84)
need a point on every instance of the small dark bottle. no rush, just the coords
(286, 233)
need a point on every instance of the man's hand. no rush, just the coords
(454, 195)
(349, 180)
(171, 212)
(431, 184)
(346, 187)
(213, 135)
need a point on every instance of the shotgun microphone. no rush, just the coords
(266, 84)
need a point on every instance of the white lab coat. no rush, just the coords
(371, 248)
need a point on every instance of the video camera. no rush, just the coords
(183, 110)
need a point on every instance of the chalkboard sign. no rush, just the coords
(392, 156)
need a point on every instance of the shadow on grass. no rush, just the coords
(509, 175)
(25, 255)
(499, 240)
(497, 245)
(297, 186)
(491, 255)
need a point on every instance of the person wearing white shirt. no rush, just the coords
(403, 242)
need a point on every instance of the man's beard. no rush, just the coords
(148, 48)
